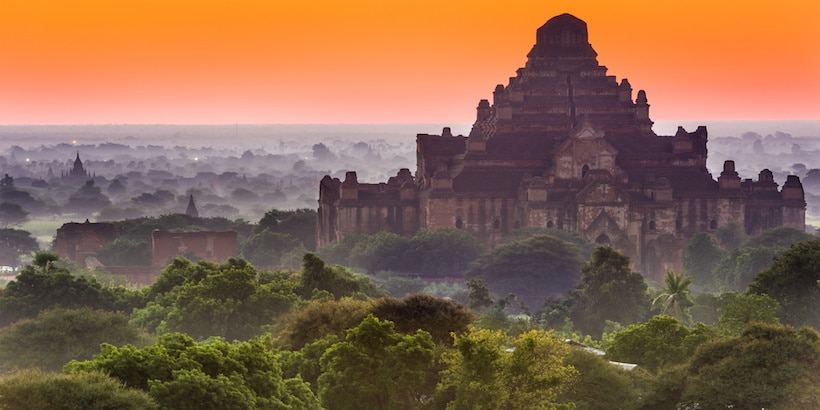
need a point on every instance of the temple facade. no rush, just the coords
(566, 146)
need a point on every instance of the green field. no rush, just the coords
(44, 228)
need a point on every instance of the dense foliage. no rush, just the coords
(37, 390)
(767, 366)
(608, 290)
(443, 252)
(376, 367)
(57, 336)
(16, 242)
(179, 373)
(234, 335)
(532, 268)
(42, 285)
(794, 282)
(231, 300)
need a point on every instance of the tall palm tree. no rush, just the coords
(675, 298)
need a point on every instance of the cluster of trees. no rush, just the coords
(730, 260)
(443, 252)
(234, 336)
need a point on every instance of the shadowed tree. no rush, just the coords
(794, 281)
(16, 242)
(532, 269)
(767, 366)
(608, 290)
(12, 215)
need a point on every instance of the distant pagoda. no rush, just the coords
(77, 173)
(191, 210)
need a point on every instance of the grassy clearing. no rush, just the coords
(44, 228)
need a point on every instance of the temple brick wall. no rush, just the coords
(209, 246)
(566, 146)
(80, 242)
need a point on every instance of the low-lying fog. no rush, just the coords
(241, 171)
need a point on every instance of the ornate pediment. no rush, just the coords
(585, 150)
(602, 190)
(604, 229)
(585, 130)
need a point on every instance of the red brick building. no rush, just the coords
(80, 242)
(209, 246)
(564, 145)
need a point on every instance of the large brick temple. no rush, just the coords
(564, 145)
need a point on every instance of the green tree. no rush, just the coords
(336, 280)
(483, 373)
(382, 251)
(306, 361)
(608, 290)
(793, 280)
(781, 237)
(532, 268)
(179, 373)
(701, 258)
(661, 342)
(377, 368)
(43, 285)
(38, 390)
(738, 268)
(126, 252)
(322, 318)
(730, 236)
(231, 300)
(57, 336)
(675, 299)
(584, 246)
(299, 223)
(12, 215)
(767, 366)
(742, 310)
(16, 242)
(598, 385)
(339, 252)
(437, 316)
(479, 294)
(445, 252)
(266, 248)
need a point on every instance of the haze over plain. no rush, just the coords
(212, 62)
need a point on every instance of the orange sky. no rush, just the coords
(386, 61)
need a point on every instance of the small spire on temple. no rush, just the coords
(191, 211)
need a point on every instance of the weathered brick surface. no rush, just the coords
(564, 145)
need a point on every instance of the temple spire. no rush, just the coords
(191, 211)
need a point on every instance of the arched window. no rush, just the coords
(713, 224)
(550, 224)
(584, 171)
(459, 223)
(602, 239)
(496, 224)
(517, 224)
(651, 225)
(679, 222)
